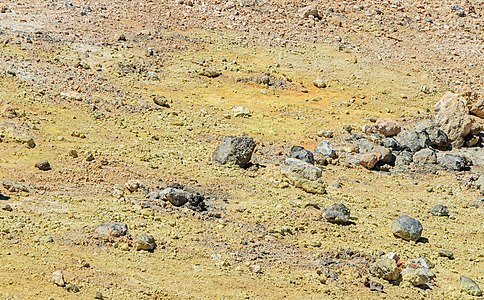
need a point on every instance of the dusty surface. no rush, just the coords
(75, 85)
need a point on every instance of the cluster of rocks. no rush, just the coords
(114, 231)
(175, 194)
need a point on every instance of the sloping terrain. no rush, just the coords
(81, 83)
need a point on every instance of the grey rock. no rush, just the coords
(438, 138)
(161, 101)
(240, 111)
(385, 268)
(58, 278)
(413, 140)
(320, 82)
(303, 175)
(452, 162)
(440, 210)
(302, 154)
(392, 144)
(446, 253)
(43, 165)
(405, 158)
(309, 11)
(234, 151)
(177, 197)
(425, 156)
(469, 286)
(72, 288)
(325, 148)
(337, 213)
(422, 262)
(407, 228)
(416, 276)
(367, 146)
(112, 229)
(145, 242)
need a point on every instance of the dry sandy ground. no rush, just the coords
(65, 70)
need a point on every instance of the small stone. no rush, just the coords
(90, 157)
(469, 286)
(415, 277)
(145, 242)
(302, 154)
(303, 175)
(320, 83)
(240, 111)
(373, 285)
(234, 151)
(99, 296)
(122, 38)
(7, 207)
(326, 134)
(72, 288)
(337, 214)
(385, 268)
(112, 229)
(177, 197)
(404, 159)
(133, 185)
(255, 269)
(413, 140)
(387, 127)
(43, 165)
(161, 101)
(325, 148)
(58, 278)
(407, 228)
(369, 160)
(73, 154)
(446, 253)
(440, 210)
(452, 162)
(425, 156)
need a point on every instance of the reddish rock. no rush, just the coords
(369, 160)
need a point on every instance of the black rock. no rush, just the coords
(302, 154)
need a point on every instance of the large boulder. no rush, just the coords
(234, 151)
(452, 116)
(303, 175)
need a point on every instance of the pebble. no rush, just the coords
(407, 228)
(99, 296)
(240, 111)
(446, 253)
(145, 242)
(414, 277)
(337, 214)
(43, 165)
(440, 210)
(255, 269)
(161, 101)
(58, 278)
(469, 286)
(320, 82)
(7, 207)
(72, 288)
(452, 162)
(425, 156)
(112, 229)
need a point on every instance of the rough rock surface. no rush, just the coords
(234, 151)
(452, 116)
(337, 214)
(303, 175)
(407, 228)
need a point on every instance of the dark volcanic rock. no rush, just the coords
(302, 154)
(43, 165)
